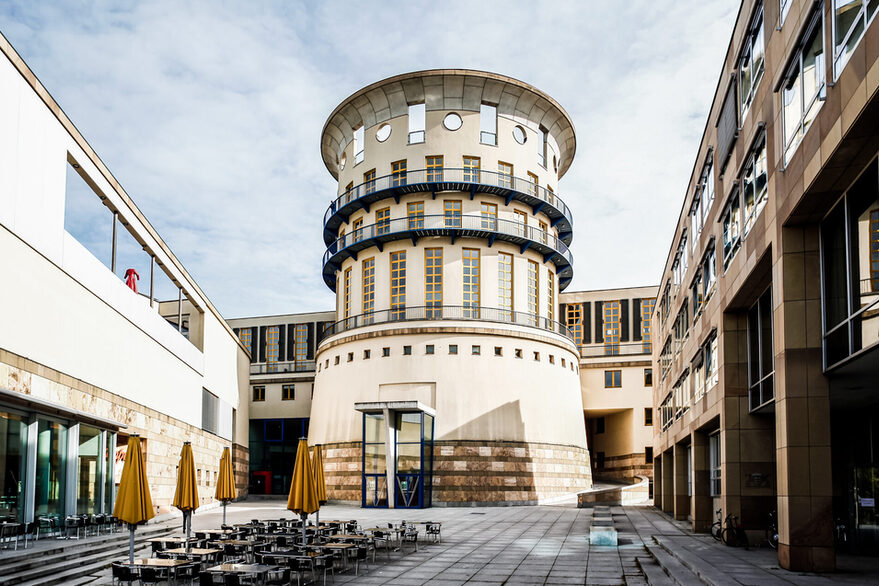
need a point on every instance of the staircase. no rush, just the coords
(72, 561)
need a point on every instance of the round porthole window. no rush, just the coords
(519, 134)
(383, 132)
(452, 121)
(343, 161)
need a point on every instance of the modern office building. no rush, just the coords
(85, 361)
(281, 386)
(447, 377)
(766, 355)
(612, 329)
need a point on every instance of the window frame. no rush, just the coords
(433, 290)
(615, 380)
(433, 168)
(732, 210)
(840, 60)
(752, 163)
(472, 169)
(417, 135)
(755, 32)
(763, 375)
(288, 392)
(791, 144)
(415, 215)
(399, 170)
(397, 282)
(382, 221)
(258, 394)
(471, 274)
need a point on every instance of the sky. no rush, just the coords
(209, 114)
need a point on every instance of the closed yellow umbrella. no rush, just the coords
(186, 493)
(226, 490)
(320, 486)
(303, 495)
(133, 502)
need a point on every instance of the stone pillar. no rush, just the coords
(681, 499)
(802, 408)
(703, 516)
(668, 482)
(657, 482)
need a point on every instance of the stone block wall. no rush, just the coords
(241, 468)
(626, 468)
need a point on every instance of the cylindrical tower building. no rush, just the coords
(447, 378)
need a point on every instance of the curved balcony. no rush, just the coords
(447, 313)
(433, 181)
(488, 228)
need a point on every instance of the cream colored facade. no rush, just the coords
(78, 347)
(467, 332)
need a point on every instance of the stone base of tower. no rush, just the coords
(468, 473)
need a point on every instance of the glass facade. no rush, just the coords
(273, 446)
(51, 471)
(13, 447)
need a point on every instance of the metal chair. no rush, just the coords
(434, 531)
(410, 535)
(123, 573)
(325, 563)
(150, 575)
(205, 579)
(381, 539)
(187, 572)
(361, 555)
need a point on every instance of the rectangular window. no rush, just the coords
(784, 8)
(732, 233)
(541, 147)
(611, 328)
(613, 379)
(471, 169)
(452, 213)
(358, 145)
(434, 167)
(356, 232)
(259, 394)
(550, 296)
(453, 348)
(382, 221)
(714, 463)
(850, 20)
(648, 377)
(272, 338)
(489, 216)
(521, 225)
(647, 306)
(574, 321)
(544, 231)
(398, 173)
(709, 271)
(398, 285)
(533, 291)
(246, 337)
(488, 124)
(599, 428)
(470, 261)
(347, 280)
(760, 355)
(300, 346)
(416, 123)
(415, 213)
(369, 181)
(803, 90)
(755, 188)
(368, 287)
(433, 282)
(504, 175)
(648, 455)
(751, 63)
(532, 183)
(475, 350)
(288, 392)
(711, 363)
(648, 415)
(505, 284)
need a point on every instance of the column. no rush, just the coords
(701, 505)
(657, 482)
(668, 481)
(681, 499)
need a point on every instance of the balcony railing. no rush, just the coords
(281, 367)
(449, 179)
(447, 313)
(487, 227)
(604, 350)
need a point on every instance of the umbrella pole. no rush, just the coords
(224, 512)
(187, 518)
(304, 517)
(317, 524)
(131, 544)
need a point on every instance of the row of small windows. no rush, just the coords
(688, 390)
(471, 294)
(430, 350)
(611, 324)
(288, 393)
(452, 122)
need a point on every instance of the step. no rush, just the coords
(676, 571)
(707, 574)
(653, 572)
(65, 573)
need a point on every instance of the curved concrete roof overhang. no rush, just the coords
(445, 89)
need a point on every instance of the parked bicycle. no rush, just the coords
(717, 528)
(772, 530)
(734, 534)
(840, 535)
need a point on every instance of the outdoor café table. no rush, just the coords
(239, 542)
(219, 533)
(347, 537)
(158, 563)
(194, 551)
(258, 570)
(341, 547)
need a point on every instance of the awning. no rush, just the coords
(404, 406)
(13, 398)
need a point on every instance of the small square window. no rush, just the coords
(648, 454)
(407, 350)
(386, 352)
(350, 356)
(518, 352)
(648, 377)
(475, 350)
(288, 392)
(259, 393)
(563, 363)
(498, 351)
(613, 379)
(599, 425)
(336, 361)
(327, 365)
(453, 348)
(366, 354)
(648, 415)
(429, 349)
(551, 359)
(537, 356)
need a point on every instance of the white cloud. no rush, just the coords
(209, 113)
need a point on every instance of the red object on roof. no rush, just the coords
(131, 279)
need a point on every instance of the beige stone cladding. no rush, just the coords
(626, 467)
(164, 434)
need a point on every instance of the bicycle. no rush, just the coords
(772, 531)
(733, 534)
(840, 535)
(717, 528)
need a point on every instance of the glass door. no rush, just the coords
(89, 471)
(13, 442)
(414, 462)
(51, 468)
(374, 490)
